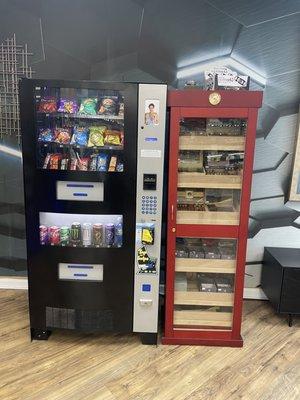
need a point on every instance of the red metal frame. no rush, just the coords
(195, 103)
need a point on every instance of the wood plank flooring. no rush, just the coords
(78, 366)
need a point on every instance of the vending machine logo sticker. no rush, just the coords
(151, 139)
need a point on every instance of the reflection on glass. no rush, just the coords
(223, 162)
(79, 129)
(190, 161)
(81, 230)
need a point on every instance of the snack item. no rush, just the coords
(64, 163)
(74, 164)
(48, 105)
(62, 135)
(108, 105)
(45, 135)
(54, 161)
(68, 106)
(83, 163)
(46, 161)
(112, 164)
(88, 106)
(112, 138)
(96, 137)
(102, 162)
(121, 110)
(80, 136)
(93, 163)
(120, 167)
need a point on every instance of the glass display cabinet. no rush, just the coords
(212, 138)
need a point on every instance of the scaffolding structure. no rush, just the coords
(13, 66)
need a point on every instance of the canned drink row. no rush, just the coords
(83, 235)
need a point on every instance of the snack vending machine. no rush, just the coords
(93, 158)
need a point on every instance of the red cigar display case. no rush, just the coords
(212, 140)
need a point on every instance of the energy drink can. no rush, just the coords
(98, 235)
(109, 234)
(119, 233)
(75, 236)
(54, 235)
(86, 234)
(64, 235)
(43, 234)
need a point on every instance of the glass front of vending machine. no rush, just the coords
(93, 170)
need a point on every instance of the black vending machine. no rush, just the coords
(93, 157)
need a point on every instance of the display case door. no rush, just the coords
(55, 198)
(203, 203)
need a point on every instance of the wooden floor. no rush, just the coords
(83, 367)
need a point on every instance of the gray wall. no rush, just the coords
(149, 41)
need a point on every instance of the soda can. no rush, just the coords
(87, 234)
(44, 234)
(64, 235)
(119, 233)
(98, 235)
(109, 234)
(75, 235)
(54, 233)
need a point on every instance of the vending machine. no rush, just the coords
(93, 156)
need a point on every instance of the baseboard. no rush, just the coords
(254, 293)
(13, 283)
(22, 283)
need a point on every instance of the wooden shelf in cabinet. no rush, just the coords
(212, 143)
(199, 180)
(203, 298)
(203, 318)
(208, 217)
(205, 265)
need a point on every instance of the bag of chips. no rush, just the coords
(80, 136)
(102, 162)
(108, 105)
(68, 106)
(83, 164)
(112, 138)
(48, 105)
(96, 137)
(62, 135)
(88, 106)
(46, 135)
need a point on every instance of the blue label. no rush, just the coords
(146, 287)
(151, 139)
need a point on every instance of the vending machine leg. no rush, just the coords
(40, 334)
(149, 338)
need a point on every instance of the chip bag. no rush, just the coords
(108, 105)
(112, 138)
(102, 162)
(62, 135)
(68, 106)
(88, 106)
(48, 105)
(46, 135)
(96, 137)
(80, 136)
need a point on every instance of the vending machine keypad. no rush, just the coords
(149, 205)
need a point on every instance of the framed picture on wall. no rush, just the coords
(295, 182)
